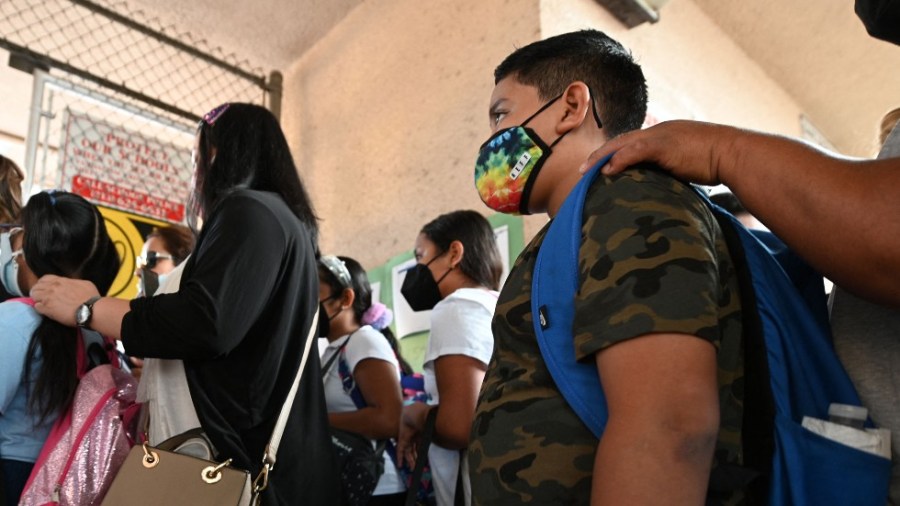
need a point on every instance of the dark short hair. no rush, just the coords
(179, 241)
(590, 56)
(481, 260)
(251, 152)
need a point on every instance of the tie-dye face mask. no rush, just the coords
(508, 164)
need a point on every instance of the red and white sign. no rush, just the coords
(120, 168)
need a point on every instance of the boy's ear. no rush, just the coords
(577, 102)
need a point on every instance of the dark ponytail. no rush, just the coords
(64, 235)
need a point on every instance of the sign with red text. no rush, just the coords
(120, 168)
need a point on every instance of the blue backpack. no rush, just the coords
(791, 369)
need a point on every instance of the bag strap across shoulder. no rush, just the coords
(271, 452)
(356, 395)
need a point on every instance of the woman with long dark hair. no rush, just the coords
(457, 276)
(64, 235)
(240, 319)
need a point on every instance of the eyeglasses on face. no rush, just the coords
(151, 259)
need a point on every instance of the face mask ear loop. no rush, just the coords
(333, 316)
(438, 282)
(594, 109)
(557, 140)
(593, 112)
(542, 109)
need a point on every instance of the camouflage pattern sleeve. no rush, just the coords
(648, 263)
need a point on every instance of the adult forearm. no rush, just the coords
(841, 215)
(58, 298)
(107, 316)
(369, 422)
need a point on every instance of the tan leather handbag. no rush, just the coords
(152, 476)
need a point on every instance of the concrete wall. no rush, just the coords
(693, 68)
(385, 114)
(15, 90)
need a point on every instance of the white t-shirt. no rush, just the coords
(366, 343)
(460, 325)
(164, 388)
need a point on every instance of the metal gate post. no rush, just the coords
(274, 87)
(34, 128)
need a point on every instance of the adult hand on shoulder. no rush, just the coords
(58, 298)
(691, 150)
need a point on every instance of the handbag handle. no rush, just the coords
(262, 479)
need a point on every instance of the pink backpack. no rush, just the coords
(88, 444)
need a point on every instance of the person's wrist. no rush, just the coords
(415, 414)
(84, 313)
(728, 155)
(423, 416)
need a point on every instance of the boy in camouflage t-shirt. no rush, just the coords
(657, 309)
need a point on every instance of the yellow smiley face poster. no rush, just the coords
(127, 232)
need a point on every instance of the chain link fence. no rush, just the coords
(117, 96)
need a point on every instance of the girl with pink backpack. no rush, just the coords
(61, 234)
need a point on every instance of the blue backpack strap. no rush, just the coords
(553, 288)
(348, 382)
(352, 388)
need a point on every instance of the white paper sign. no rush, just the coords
(121, 168)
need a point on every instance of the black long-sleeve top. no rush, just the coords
(239, 322)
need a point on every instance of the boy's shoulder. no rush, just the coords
(645, 196)
(644, 183)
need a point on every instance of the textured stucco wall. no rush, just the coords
(693, 69)
(386, 113)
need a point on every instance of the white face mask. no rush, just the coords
(162, 279)
(9, 268)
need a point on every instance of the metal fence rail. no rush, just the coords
(110, 82)
(120, 49)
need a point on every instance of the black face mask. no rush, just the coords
(881, 18)
(149, 282)
(420, 289)
(324, 321)
(325, 318)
